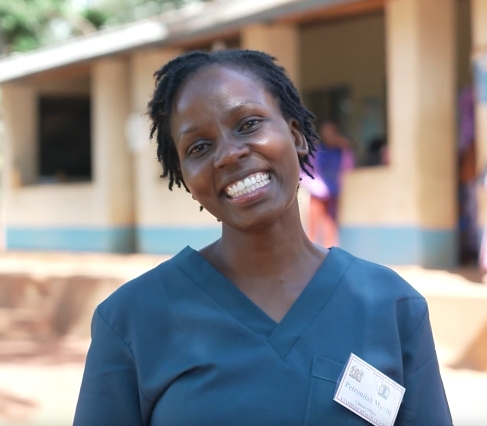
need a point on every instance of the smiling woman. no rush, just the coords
(256, 328)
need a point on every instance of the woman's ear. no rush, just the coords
(299, 140)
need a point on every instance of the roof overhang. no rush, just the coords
(198, 20)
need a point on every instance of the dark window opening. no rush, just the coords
(64, 139)
(336, 104)
(331, 104)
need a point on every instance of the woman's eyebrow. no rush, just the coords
(191, 129)
(239, 106)
(243, 105)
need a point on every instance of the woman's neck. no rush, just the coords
(265, 251)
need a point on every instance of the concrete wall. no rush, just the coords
(479, 41)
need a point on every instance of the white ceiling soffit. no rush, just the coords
(194, 20)
(228, 14)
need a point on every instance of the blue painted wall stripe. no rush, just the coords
(172, 240)
(118, 240)
(402, 245)
(157, 240)
(386, 245)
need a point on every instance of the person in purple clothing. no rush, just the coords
(318, 194)
(333, 161)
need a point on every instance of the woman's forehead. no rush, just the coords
(221, 85)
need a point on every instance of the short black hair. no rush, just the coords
(171, 76)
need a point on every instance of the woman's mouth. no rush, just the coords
(248, 185)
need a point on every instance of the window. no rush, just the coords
(64, 139)
(333, 104)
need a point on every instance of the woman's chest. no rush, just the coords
(251, 384)
(255, 392)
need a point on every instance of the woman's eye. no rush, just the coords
(249, 125)
(198, 148)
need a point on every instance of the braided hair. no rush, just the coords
(171, 76)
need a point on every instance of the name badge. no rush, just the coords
(368, 393)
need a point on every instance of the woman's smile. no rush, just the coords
(249, 187)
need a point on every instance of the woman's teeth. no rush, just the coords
(248, 185)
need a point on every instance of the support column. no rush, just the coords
(112, 160)
(20, 120)
(479, 45)
(421, 81)
(279, 40)
(19, 150)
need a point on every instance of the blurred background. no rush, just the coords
(399, 87)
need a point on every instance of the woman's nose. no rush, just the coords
(229, 152)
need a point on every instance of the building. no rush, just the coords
(79, 172)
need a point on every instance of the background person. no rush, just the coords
(318, 194)
(334, 161)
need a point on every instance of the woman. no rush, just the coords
(255, 328)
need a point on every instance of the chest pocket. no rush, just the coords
(321, 410)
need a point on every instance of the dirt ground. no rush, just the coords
(39, 382)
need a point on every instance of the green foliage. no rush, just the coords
(24, 23)
(123, 11)
(97, 17)
(28, 24)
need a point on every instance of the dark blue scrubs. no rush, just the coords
(182, 346)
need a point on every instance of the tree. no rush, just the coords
(25, 24)
(114, 12)
(29, 24)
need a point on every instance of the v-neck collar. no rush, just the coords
(281, 336)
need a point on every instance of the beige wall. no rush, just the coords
(66, 205)
(72, 86)
(479, 41)
(479, 12)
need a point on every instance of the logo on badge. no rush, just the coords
(355, 373)
(384, 391)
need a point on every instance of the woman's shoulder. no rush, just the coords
(139, 298)
(378, 282)
(383, 296)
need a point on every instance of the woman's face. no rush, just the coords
(238, 155)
